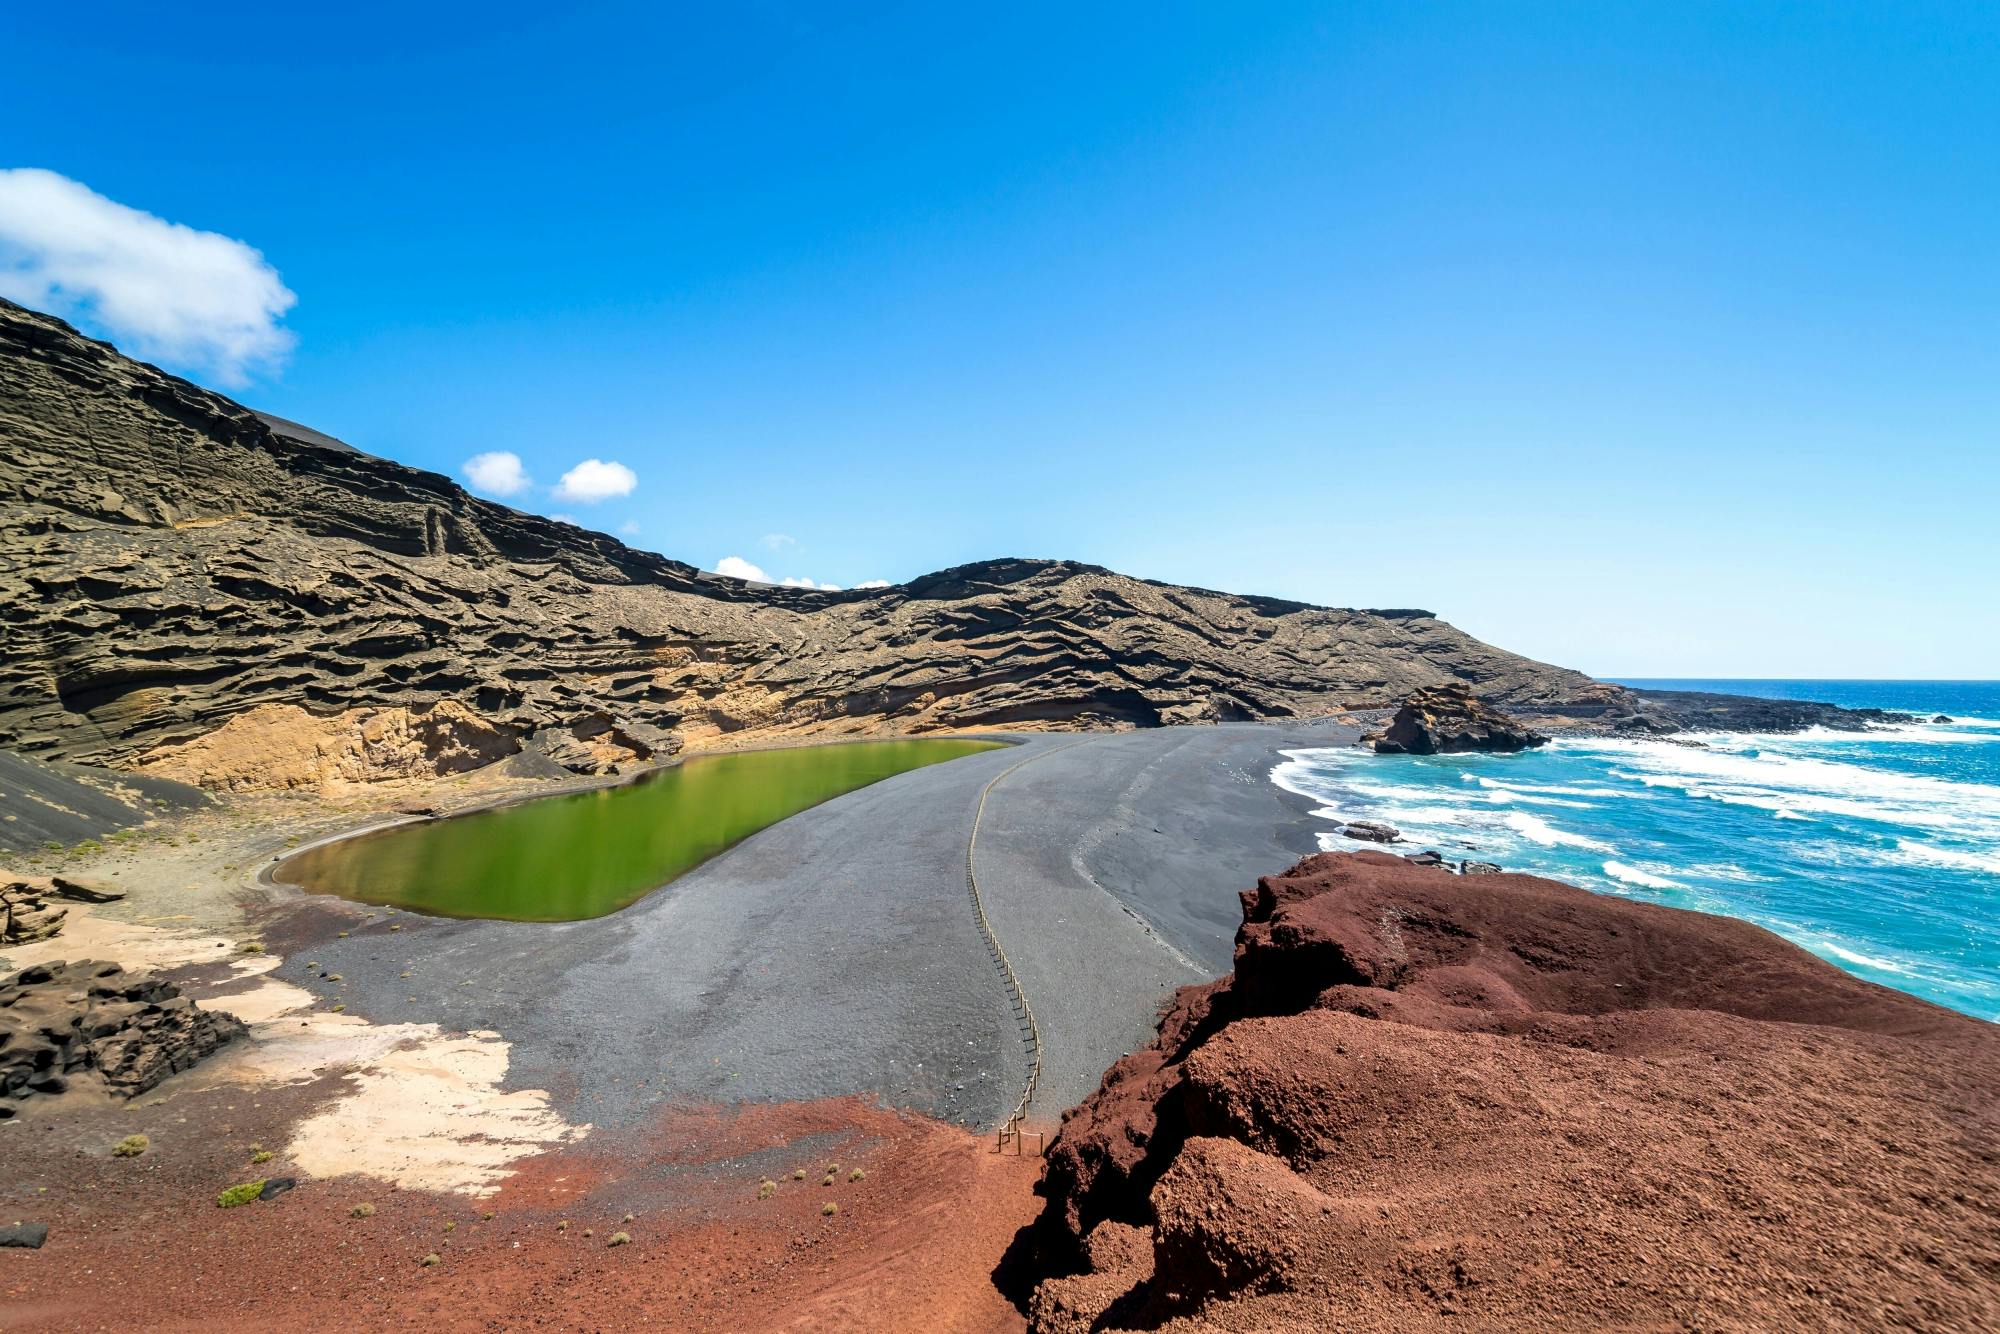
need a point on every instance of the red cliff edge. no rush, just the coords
(1429, 1100)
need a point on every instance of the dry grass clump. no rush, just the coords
(130, 1147)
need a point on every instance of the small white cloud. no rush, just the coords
(630, 528)
(564, 518)
(196, 299)
(778, 541)
(496, 474)
(874, 583)
(738, 568)
(593, 480)
(807, 583)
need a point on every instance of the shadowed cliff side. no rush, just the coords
(171, 562)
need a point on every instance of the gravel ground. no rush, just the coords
(835, 953)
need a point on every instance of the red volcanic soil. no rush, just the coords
(1433, 1101)
(140, 1245)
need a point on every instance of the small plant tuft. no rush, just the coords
(242, 1194)
(362, 1211)
(432, 1260)
(619, 1239)
(799, 1174)
(829, 1209)
(131, 1146)
(451, 1226)
(766, 1189)
(261, 1156)
(856, 1174)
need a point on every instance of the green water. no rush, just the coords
(560, 859)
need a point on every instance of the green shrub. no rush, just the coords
(242, 1194)
(131, 1146)
(261, 1156)
(362, 1211)
(829, 1209)
(619, 1239)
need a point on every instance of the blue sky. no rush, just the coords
(1649, 339)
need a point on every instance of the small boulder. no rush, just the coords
(1371, 831)
(1429, 857)
(27, 1235)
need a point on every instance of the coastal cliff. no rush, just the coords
(220, 597)
(1422, 1100)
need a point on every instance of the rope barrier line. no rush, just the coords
(1031, 1032)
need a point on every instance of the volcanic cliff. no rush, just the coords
(1424, 1100)
(222, 597)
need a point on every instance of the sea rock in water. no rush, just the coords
(1371, 831)
(1429, 857)
(60, 1020)
(1478, 868)
(1421, 1103)
(1941, 718)
(1440, 720)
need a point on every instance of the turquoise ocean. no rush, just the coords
(1877, 851)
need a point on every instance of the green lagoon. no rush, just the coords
(560, 859)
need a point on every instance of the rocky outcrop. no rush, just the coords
(62, 1021)
(1441, 720)
(26, 915)
(172, 563)
(1424, 1101)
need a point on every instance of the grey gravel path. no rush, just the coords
(836, 953)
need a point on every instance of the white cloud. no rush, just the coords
(496, 474)
(874, 583)
(593, 480)
(738, 568)
(629, 528)
(778, 541)
(565, 518)
(807, 583)
(166, 291)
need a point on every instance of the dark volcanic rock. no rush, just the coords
(28, 1235)
(1700, 711)
(1440, 720)
(1505, 1103)
(1371, 831)
(172, 562)
(61, 1020)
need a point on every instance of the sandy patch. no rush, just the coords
(422, 1107)
(89, 934)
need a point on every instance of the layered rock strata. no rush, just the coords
(61, 1021)
(190, 586)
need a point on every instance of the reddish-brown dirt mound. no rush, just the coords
(1424, 1099)
(923, 1213)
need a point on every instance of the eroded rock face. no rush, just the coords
(60, 1021)
(1441, 720)
(1422, 1101)
(173, 566)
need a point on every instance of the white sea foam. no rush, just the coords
(1537, 830)
(1633, 875)
(1865, 960)
(1928, 854)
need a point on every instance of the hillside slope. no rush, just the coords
(189, 590)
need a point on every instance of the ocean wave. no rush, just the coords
(1865, 960)
(1633, 875)
(1537, 830)
(1930, 855)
